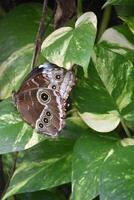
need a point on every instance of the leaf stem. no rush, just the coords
(104, 21)
(71, 112)
(11, 173)
(2, 12)
(39, 36)
(125, 128)
(79, 8)
(2, 181)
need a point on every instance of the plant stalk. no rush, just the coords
(125, 128)
(2, 181)
(104, 21)
(79, 8)
(39, 36)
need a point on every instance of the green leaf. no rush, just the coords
(17, 36)
(107, 97)
(74, 128)
(117, 75)
(67, 46)
(44, 166)
(119, 2)
(117, 178)
(119, 39)
(7, 160)
(42, 195)
(15, 135)
(88, 158)
(130, 125)
(124, 10)
(127, 142)
(130, 22)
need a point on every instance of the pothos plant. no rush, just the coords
(94, 152)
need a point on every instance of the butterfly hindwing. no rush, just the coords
(41, 109)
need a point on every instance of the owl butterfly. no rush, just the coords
(42, 97)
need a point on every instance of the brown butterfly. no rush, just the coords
(42, 97)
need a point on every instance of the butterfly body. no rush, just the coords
(42, 97)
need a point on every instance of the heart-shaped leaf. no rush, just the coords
(117, 178)
(119, 39)
(67, 46)
(44, 166)
(107, 97)
(88, 158)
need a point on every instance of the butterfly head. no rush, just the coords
(47, 67)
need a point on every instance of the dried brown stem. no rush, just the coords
(39, 36)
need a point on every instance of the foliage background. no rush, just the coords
(93, 156)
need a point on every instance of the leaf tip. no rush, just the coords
(88, 17)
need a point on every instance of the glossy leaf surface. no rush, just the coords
(17, 37)
(67, 46)
(107, 97)
(117, 179)
(89, 155)
(16, 135)
(44, 166)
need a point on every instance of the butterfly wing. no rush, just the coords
(34, 80)
(62, 80)
(41, 109)
(50, 76)
(41, 99)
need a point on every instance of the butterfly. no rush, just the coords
(42, 98)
